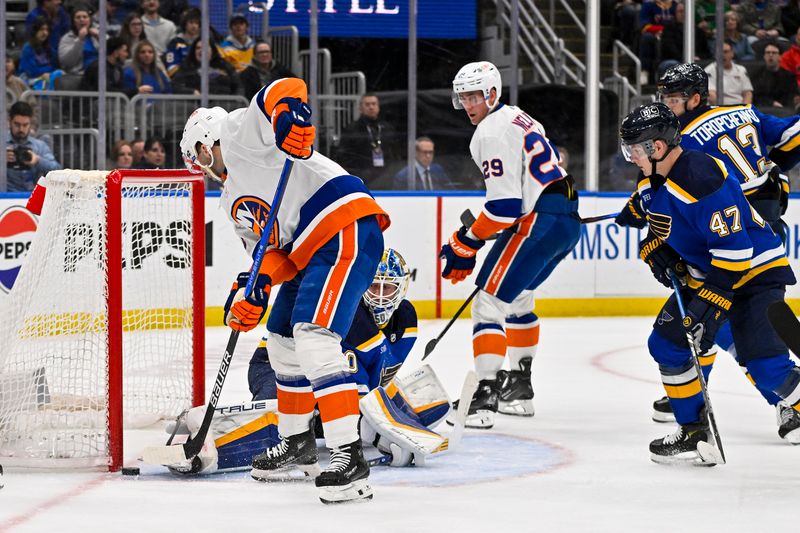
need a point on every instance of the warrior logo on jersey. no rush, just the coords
(17, 226)
(252, 212)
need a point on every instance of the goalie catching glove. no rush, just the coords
(662, 259)
(459, 255)
(706, 313)
(291, 122)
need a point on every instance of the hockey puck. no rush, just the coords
(130, 471)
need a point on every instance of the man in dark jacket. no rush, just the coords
(117, 53)
(772, 85)
(262, 71)
(369, 147)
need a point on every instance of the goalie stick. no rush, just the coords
(712, 423)
(164, 455)
(452, 442)
(786, 325)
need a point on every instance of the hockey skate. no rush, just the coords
(690, 444)
(788, 423)
(515, 390)
(294, 457)
(482, 409)
(345, 479)
(662, 411)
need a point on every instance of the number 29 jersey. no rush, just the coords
(742, 137)
(518, 162)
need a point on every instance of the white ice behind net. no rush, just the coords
(54, 329)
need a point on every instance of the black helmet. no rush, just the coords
(688, 79)
(649, 122)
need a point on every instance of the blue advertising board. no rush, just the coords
(436, 19)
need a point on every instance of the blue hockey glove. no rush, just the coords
(244, 314)
(633, 213)
(705, 314)
(662, 258)
(459, 256)
(291, 122)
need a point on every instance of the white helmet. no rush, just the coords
(205, 127)
(478, 76)
(389, 286)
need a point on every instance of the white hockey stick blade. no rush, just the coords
(164, 455)
(467, 391)
(710, 453)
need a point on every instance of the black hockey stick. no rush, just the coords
(433, 342)
(712, 423)
(468, 219)
(173, 454)
(786, 325)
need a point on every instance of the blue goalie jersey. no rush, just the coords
(375, 355)
(701, 212)
(747, 140)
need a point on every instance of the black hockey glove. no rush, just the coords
(706, 313)
(633, 213)
(661, 258)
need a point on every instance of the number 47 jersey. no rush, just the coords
(742, 137)
(518, 162)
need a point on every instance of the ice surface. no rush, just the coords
(581, 464)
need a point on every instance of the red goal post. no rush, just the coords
(106, 320)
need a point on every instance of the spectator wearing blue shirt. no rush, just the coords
(56, 17)
(38, 66)
(145, 75)
(429, 176)
(27, 158)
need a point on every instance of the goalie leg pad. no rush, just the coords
(392, 424)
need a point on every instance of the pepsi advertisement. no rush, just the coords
(436, 19)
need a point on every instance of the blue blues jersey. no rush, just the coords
(746, 140)
(699, 209)
(375, 355)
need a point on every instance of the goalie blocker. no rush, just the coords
(398, 420)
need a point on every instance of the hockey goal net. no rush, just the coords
(106, 317)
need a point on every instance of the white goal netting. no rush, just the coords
(58, 361)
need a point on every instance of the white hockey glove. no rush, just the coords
(206, 461)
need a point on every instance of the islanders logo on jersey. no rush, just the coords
(17, 227)
(252, 212)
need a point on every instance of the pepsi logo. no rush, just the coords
(17, 227)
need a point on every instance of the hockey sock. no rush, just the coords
(779, 374)
(682, 385)
(489, 348)
(295, 404)
(522, 334)
(337, 398)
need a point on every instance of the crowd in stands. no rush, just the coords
(152, 47)
(155, 47)
(761, 46)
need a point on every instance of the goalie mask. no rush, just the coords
(479, 76)
(204, 127)
(388, 288)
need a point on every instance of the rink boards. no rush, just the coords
(603, 275)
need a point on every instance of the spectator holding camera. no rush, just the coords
(27, 158)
